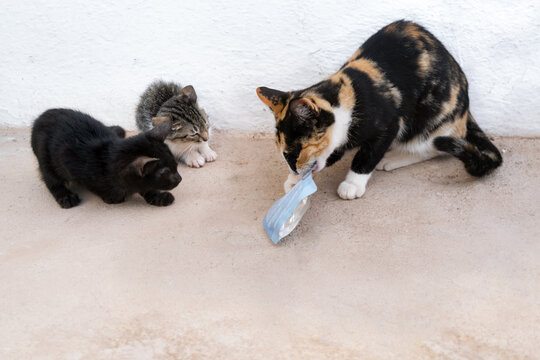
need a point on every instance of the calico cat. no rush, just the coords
(73, 147)
(400, 99)
(163, 101)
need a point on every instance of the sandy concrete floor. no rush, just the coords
(429, 264)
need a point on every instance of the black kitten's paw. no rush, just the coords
(68, 200)
(159, 198)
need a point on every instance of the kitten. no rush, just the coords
(74, 147)
(400, 99)
(188, 141)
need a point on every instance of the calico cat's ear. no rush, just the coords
(189, 94)
(161, 130)
(304, 109)
(144, 165)
(159, 119)
(274, 99)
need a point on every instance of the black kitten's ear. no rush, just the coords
(161, 130)
(189, 94)
(274, 99)
(159, 119)
(304, 109)
(144, 165)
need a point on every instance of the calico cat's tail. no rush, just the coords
(151, 100)
(476, 151)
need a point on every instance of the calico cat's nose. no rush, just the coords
(204, 136)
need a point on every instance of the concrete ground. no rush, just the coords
(429, 264)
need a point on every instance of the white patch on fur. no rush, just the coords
(208, 154)
(395, 159)
(354, 185)
(343, 118)
(420, 145)
(193, 159)
(193, 154)
(292, 180)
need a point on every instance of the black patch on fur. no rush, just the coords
(477, 153)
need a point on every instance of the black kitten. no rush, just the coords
(74, 147)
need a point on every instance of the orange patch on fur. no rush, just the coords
(274, 103)
(321, 103)
(391, 27)
(424, 63)
(280, 141)
(415, 32)
(460, 125)
(369, 67)
(346, 93)
(355, 55)
(377, 76)
(313, 148)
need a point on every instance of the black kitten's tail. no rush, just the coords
(476, 151)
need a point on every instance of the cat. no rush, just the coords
(163, 101)
(400, 99)
(73, 147)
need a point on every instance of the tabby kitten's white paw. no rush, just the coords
(194, 159)
(208, 154)
(354, 186)
(291, 181)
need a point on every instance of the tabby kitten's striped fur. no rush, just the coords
(400, 99)
(188, 141)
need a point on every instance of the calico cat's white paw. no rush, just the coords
(291, 181)
(349, 191)
(194, 159)
(354, 186)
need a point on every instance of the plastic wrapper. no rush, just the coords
(285, 214)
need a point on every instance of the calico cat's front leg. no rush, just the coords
(363, 164)
(157, 198)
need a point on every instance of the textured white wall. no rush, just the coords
(99, 56)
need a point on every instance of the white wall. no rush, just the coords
(99, 56)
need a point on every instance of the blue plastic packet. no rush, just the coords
(286, 212)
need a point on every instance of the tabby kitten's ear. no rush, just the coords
(144, 165)
(162, 128)
(274, 99)
(189, 94)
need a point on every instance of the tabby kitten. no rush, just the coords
(164, 101)
(400, 99)
(73, 147)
